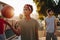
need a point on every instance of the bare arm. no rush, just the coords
(7, 23)
(45, 28)
(5, 26)
(45, 23)
(15, 30)
(55, 25)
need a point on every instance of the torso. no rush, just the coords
(50, 24)
(1, 26)
(28, 29)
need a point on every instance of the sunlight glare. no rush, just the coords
(18, 5)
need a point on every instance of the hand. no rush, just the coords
(55, 33)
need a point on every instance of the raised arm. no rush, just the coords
(17, 30)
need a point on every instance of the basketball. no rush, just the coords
(7, 11)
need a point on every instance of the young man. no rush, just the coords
(50, 22)
(27, 27)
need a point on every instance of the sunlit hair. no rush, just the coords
(29, 7)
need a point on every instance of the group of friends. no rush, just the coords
(28, 27)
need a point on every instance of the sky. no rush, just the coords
(18, 5)
(56, 1)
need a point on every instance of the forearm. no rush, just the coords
(15, 31)
(55, 27)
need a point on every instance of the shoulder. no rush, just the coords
(20, 21)
(1, 19)
(34, 20)
(53, 16)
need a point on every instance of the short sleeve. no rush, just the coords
(37, 24)
(54, 17)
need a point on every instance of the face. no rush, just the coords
(50, 13)
(26, 11)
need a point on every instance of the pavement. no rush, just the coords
(41, 38)
(41, 35)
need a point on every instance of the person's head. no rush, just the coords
(27, 9)
(49, 12)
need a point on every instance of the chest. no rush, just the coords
(50, 20)
(28, 25)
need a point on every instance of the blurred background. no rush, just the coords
(39, 13)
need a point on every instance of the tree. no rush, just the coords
(44, 4)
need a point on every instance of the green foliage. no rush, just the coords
(44, 4)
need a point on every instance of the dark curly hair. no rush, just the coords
(29, 6)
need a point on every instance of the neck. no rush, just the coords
(49, 16)
(28, 18)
